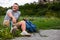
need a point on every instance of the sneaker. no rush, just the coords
(25, 33)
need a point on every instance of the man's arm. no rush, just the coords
(11, 16)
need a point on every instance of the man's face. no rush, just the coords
(15, 7)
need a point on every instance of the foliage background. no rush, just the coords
(44, 16)
(33, 9)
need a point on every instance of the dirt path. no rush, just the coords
(42, 35)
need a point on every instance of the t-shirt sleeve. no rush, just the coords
(19, 13)
(9, 11)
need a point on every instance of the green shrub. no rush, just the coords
(5, 33)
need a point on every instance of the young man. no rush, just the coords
(13, 14)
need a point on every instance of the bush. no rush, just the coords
(5, 33)
(34, 9)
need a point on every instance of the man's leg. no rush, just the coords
(6, 23)
(22, 24)
(23, 27)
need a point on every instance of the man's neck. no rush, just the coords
(14, 11)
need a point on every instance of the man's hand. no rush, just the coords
(14, 20)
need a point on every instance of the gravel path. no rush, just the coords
(42, 35)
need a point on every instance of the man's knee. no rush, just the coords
(22, 21)
(6, 23)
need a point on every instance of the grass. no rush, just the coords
(40, 22)
(45, 22)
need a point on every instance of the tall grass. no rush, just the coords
(40, 22)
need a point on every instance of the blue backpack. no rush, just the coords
(30, 27)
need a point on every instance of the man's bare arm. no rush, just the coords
(11, 16)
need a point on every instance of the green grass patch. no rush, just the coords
(40, 22)
(44, 22)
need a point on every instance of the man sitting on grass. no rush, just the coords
(13, 14)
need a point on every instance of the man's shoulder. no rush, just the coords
(9, 10)
(19, 12)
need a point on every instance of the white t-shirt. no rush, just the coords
(15, 14)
